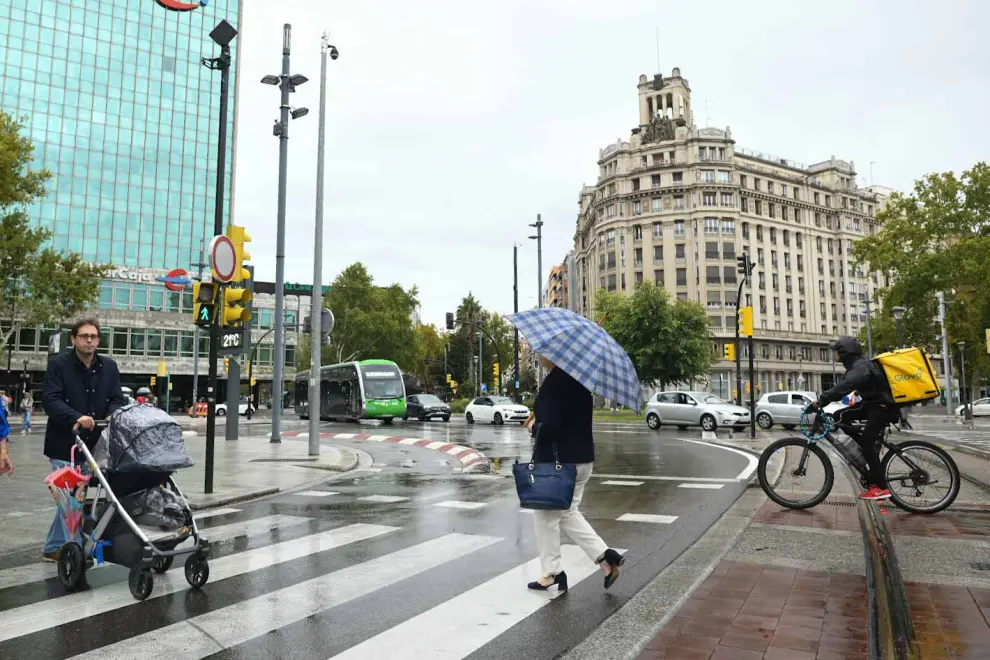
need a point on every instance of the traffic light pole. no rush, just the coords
(515, 309)
(739, 293)
(223, 64)
(752, 391)
(498, 353)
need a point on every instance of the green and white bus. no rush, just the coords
(367, 389)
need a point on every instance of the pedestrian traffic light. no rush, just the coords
(495, 371)
(746, 321)
(235, 313)
(729, 352)
(204, 303)
(742, 262)
(239, 237)
(450, 321)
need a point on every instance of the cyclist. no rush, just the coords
(876, 407)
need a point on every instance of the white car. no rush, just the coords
(684, 409)
(495, 410)
(242, 409)
(981, 408)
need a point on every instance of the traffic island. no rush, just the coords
(472, 461)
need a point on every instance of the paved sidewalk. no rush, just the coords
(243, 469)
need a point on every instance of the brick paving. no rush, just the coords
(841, 515)
(950, 622)
(746, 611)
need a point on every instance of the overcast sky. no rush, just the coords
(452, 124)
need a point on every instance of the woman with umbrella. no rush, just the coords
(580, 358)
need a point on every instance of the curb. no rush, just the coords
(233, 499)
(472, 461)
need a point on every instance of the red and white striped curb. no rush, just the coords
(471, 460)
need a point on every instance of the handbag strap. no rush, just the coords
(536, 443)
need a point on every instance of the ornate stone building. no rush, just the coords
(676, 204)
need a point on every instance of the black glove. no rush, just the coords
(816, 405)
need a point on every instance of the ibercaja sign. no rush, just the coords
(178, 5)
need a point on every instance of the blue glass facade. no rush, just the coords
(125, 116)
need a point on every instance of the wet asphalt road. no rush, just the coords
(403, 560)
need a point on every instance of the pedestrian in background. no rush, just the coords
(563, 416)
(80, 388)
(6, 465)
(27, 407)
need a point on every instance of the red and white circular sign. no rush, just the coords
(223, 259)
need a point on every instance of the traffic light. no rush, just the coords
(226, 364)
(742, 263)
(495, 371)
(450, 321)
(239, 237)
(746, 321)
(729, 352)
(154, 379)
(204, 303)
(235, 312)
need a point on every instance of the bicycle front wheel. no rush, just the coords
(806, 477)
(921, 476)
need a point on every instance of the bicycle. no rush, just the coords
(912, 476)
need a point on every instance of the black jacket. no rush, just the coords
(71, 391)
(862, 376)
(563, 412)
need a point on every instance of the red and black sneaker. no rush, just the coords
(875, 493)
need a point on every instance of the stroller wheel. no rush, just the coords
(197, 571)
(71, 566)
(140, 582)
(162, 564)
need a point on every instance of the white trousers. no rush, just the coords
(549, 524)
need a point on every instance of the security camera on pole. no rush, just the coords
(287, 83)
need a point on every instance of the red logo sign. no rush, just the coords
(178, 5)
(175, 280)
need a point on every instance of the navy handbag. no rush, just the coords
(548, 486)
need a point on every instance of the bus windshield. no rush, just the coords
(382, 381)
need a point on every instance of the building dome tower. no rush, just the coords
(668, 98)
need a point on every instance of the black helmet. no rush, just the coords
(847, 347)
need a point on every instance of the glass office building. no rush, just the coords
(123, 113)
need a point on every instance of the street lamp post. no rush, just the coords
(287, 83)
(898, 317)
(538, 225)
(515, 309)
(962, 382)
(221, 35)
(869, 329)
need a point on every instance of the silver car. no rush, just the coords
(782, 408)
(684, 409)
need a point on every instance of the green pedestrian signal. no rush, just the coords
(204, 303)
(204, 314)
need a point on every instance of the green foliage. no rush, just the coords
(464, 346)
(371, 321)
(936, 239)
(668, 340)
(458, 406)
(429, 355)
(38, 286)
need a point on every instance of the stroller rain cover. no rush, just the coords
(141, 437)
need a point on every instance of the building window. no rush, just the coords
(727, 199)
(657, 231)
(637, 208)
(708, 199)
(728, 226)
(682, 277)
(656, 204)
(711, 225)
(658, 254)
(637, 232)
(724, 177)
(658, 277)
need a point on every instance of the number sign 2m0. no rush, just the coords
(232, 341)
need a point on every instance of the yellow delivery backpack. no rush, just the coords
(910, 375)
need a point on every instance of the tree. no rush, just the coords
(429, 355)
(371, 321)
(936, 239)
(668, 341)
(38, 286)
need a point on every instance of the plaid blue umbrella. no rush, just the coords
(584, 350)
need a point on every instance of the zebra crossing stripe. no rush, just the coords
(12, 577)
(83, 604)
(226, 627)
(462, 625)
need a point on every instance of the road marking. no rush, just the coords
(383, 499)
(462, 625)
(646, 477)
(225, 627)
(702, 486)
(316, 493)
(747, 471)
(646, 518)
(83, 604)
(455, 504)
(215, 512)
(623, 483)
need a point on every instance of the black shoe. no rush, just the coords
(560, 579)
(614, 560)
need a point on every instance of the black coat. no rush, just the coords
(563, 412)
(862, 376)
(73, 390)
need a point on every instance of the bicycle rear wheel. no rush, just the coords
(917, 467)
(806, 477)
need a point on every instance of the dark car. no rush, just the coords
(426, 406)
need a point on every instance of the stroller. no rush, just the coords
(139, 448)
